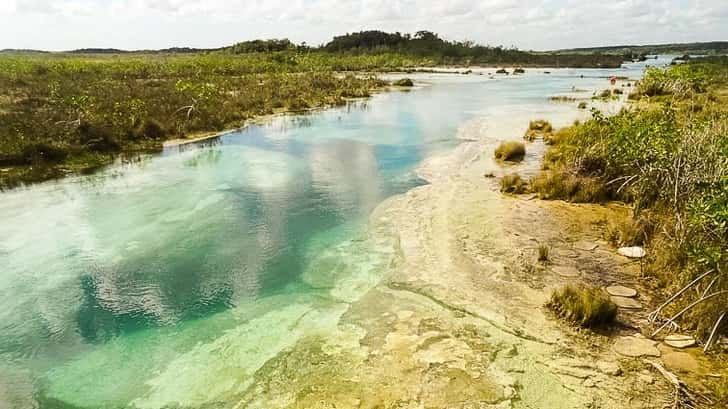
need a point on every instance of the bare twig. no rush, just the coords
(652, 317)
(686, 309)
(713, 333)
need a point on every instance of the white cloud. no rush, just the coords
(528, 24)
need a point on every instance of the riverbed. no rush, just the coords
(304, 262)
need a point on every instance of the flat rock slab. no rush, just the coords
(566, 271)
(626, 303)
(635, 347)
(621, 291)
(585, 245)
(632, 252)
(679, 341)
(681, 362)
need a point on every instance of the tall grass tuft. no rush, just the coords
(510, 151)
(583, 306)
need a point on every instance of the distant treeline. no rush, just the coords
(422, 44)
(707, 48)
(430, 45)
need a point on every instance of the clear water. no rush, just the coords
(171, 279)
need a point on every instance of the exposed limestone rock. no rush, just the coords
(633, 346)
(609, 368)
(680, 341)
(626, 303)
(632, 252)
(585, 245)
(566, 271)
(621, 291)
(681, 362)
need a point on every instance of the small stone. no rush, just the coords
(626, 303)
(609, 368)
(635, 347)
(621, 291)
(589, 383)
(679, 341)
(681, 362)
(646, 379)
(632, 252)
(566, 271)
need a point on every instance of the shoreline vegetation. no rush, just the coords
(666, 156)
(76, 111)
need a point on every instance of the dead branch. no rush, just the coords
(652, 317)
(714, 332)
(686, 309)
(683, 397)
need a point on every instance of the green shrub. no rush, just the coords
(513, 183)
(510, 151)
(617, 91)
(605, 94)
(583, 306)
(582, 105)
(404, 82)
(150, 129)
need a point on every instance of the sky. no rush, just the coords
(526, 24)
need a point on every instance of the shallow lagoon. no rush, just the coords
(171, 279)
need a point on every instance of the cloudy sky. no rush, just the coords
(526, 24)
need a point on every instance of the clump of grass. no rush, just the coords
(582, 105)
(587, 307)
(562, 185)
(625, 232)
(540, 125)
(510, 151)
(561, 98)
(404, 82)
(530, 135)
(513, 184)
(617, 91)
(543, 252)
(605, 94)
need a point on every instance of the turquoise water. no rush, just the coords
(171, 279)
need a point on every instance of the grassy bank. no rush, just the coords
(62, 113)
(668, 156)
(75, 111)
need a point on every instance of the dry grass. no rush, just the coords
(563, 185)
(625, 232)
(540, 125)
(543, 253)
(513, 184)
(583, 306)
(510, 151)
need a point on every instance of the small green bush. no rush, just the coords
(582, 105)
(150, 129)
(510, 151)
(583, 306)
(605, 94)
(404, 82)
(617, 91)
(514, 184)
